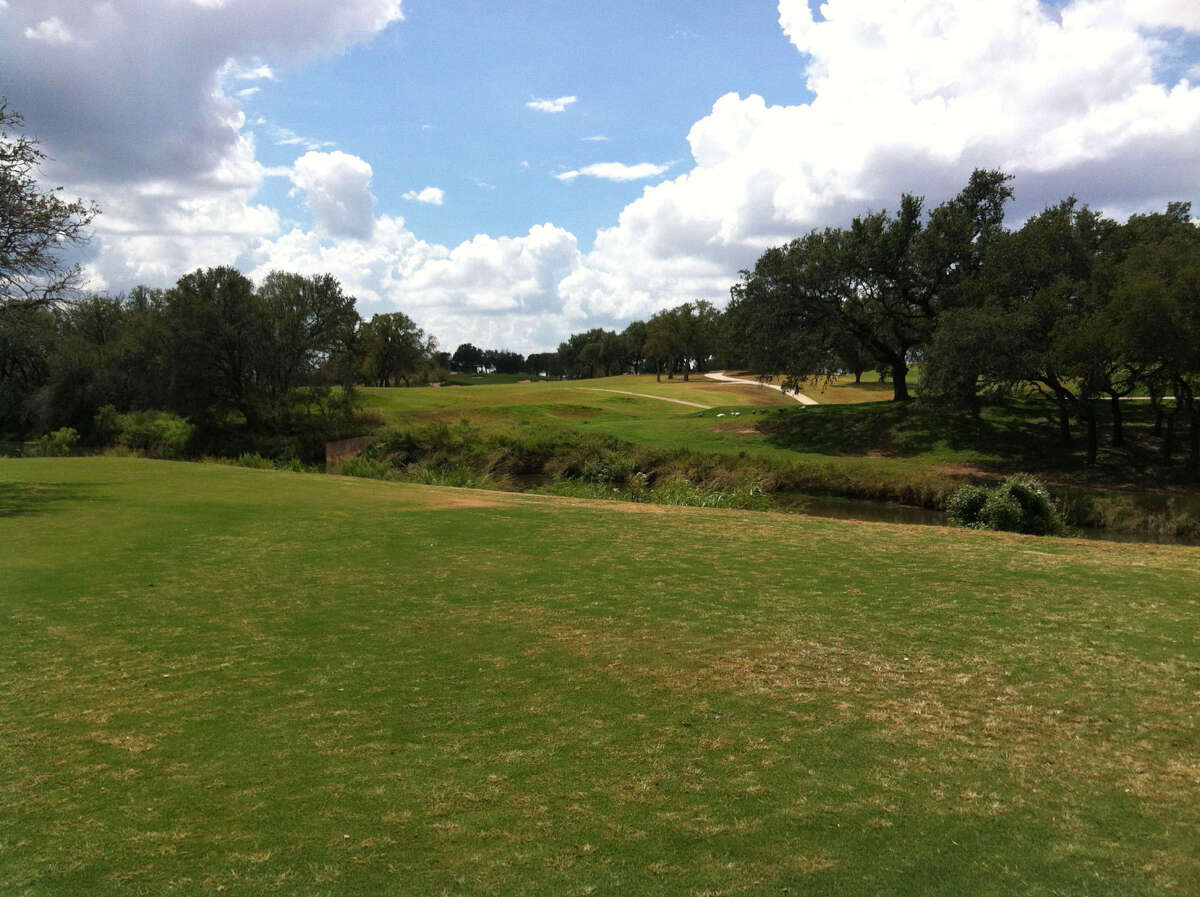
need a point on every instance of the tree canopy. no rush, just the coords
(874, 288)
(36, 224)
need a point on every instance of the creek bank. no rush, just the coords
(562, 461)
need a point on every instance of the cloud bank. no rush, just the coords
(907, 95)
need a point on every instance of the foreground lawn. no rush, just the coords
(215, 679)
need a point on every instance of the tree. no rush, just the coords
(214, 328)
(1157, 294)
(1045, 318)
(467, 358)
(395, 348)
(301, 320)
(36, 225)
(881, 283)
(27, 341)
(634, 339)
(663, 344)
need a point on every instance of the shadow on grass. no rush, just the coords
(27, 499)
(1019, 433)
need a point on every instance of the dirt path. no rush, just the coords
(642, 395)
(795, 394)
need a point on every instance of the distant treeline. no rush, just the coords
(250, 367)
(674, 341)
(1076, 307)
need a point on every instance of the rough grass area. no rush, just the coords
(224, 680)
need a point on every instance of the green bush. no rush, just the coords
(106, 425)
(612, 467)
(56, 444)
(1040, 514)
(1001, 512)
(159, 434)
(369, 468)
(963, 505)
(255, 461)
(1020, 504)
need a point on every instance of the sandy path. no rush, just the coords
(642, 395)
(795, 394)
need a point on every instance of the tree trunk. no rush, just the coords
(1118, 431)
(658, 372)
(1194, 441)
(1168, 446)
(1092, 436)
(1156, 404)
(1064, 425)
(858, 375)
(900, 382)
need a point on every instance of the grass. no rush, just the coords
(851, 445)
(223, 680)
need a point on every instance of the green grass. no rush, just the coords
(223, 680)
(852, 445)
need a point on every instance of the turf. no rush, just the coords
(221, 680)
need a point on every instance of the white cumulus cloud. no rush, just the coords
(433, 196)
(615, 171)
(910, 95)
(907, 95)
(337, 190)
(51, 31)
(559, 104)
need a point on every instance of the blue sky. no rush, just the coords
(439, 99)
(430, 156)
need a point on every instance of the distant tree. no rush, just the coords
(28, 337)
(394, 349)
(664, 342)
(698, 326)
(1046, 321)
(1156, 300)
(301, 321)
(592, 353)
(213, 322)
(634, 339)
(504, 361)
(232, 348)
(36, 225)
(467, 358)
(882, 283)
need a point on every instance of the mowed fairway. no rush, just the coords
(220, 680)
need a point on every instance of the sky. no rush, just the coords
(509, 173)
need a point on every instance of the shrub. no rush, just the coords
(1001, 511)
(365, 467)
(56, 444)
(963, 505)
(106, 425)
(1020, 504)
(255, 461)
(157, 433)
(1040, 514)
(613, 468)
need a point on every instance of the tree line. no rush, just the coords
(1072, 306)
(1077, 308)
(261, 360)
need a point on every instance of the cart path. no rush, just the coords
(642, 395)
(795, 393)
